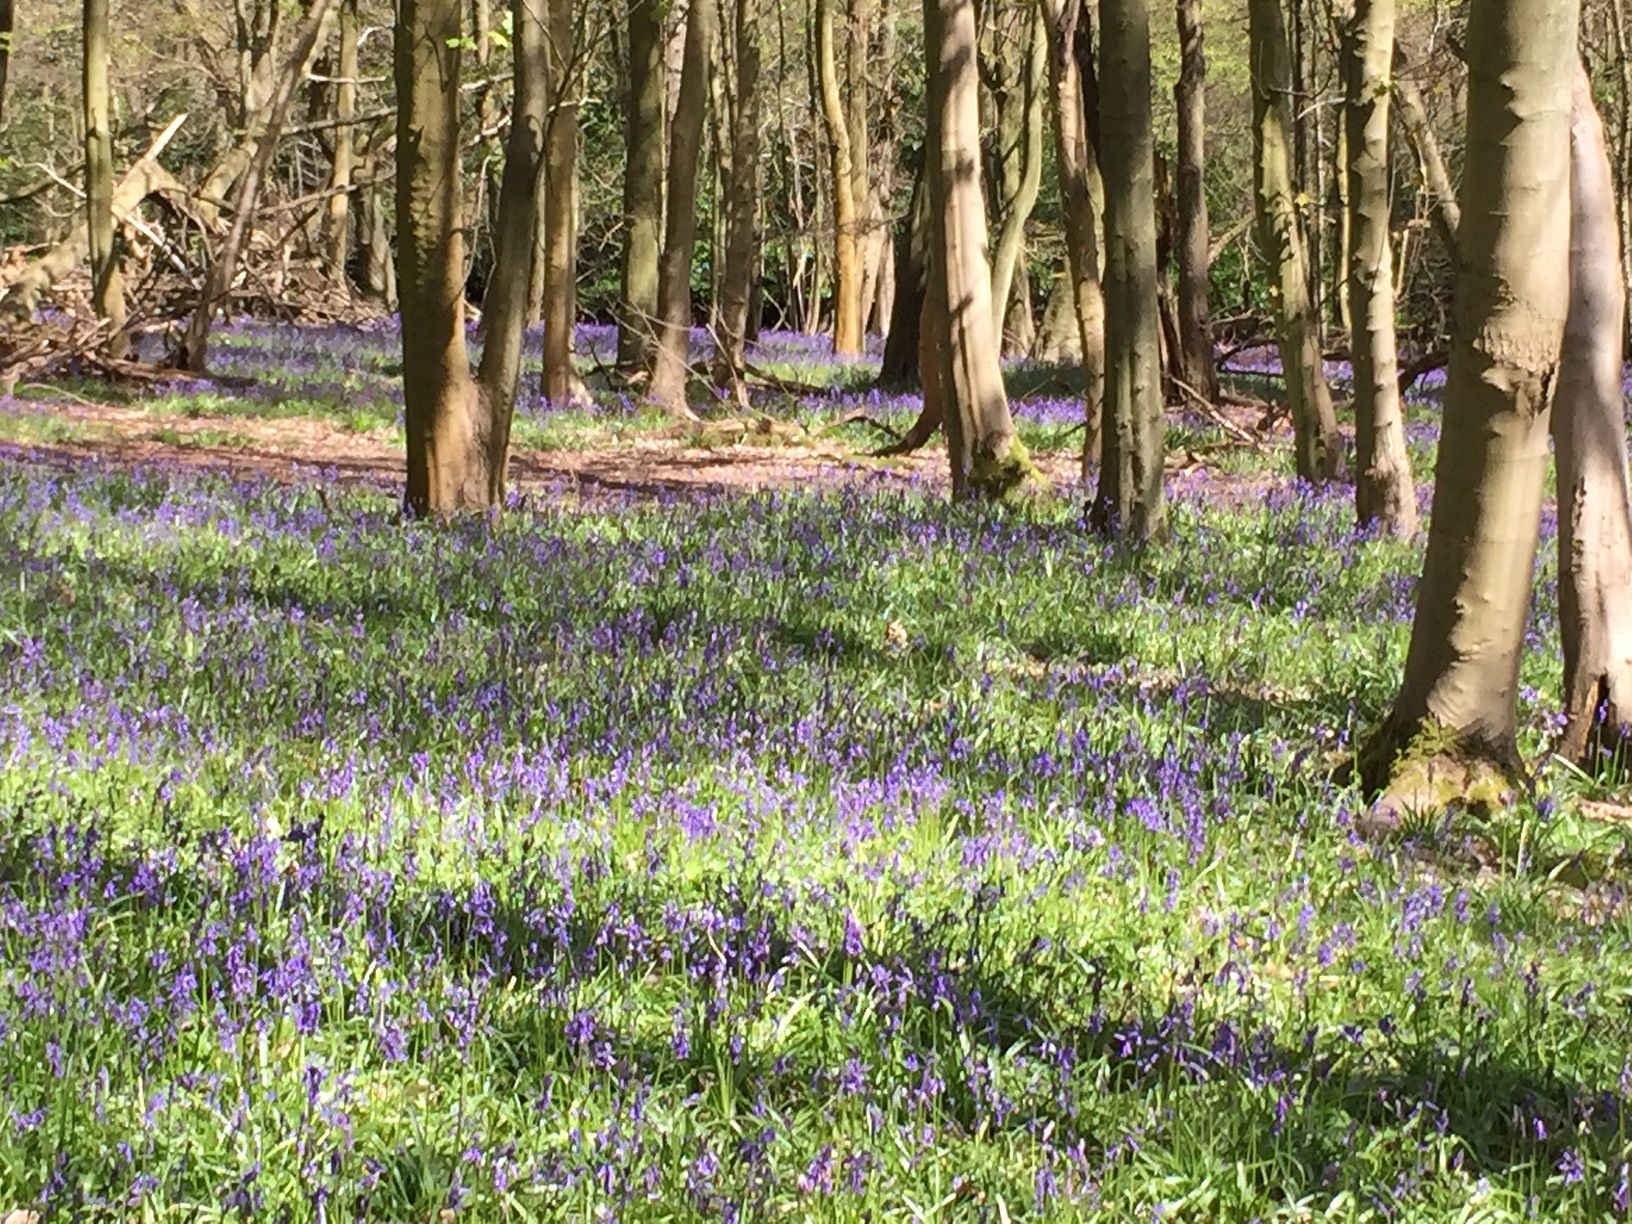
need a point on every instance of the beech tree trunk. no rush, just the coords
(1317, 446)
(1384, 491)
(1195, 356)
(1129, 499)
(741, 209)
(642, 186)
(1589, 440)
(670, 366)
(338, 223)
(900, 364)
(559, 381)
(1027, 180)
(1075, 157)
(6, 27)
(1419, 134)
(1451, 733)
(847, 338)
(107, 285)
(987, 457)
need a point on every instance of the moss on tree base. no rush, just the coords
(1002, 476)
(1424, 770)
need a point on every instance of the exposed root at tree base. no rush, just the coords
(1418, 773)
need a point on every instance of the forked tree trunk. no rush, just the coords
(194, 354)
(338, 223)
(1074, 155)
(1589, 437)
(1419, 134)
(448, 453)
(987, 457)
(1028, 180)
(1451, 733)
(107, 285)
(1317, 446)
(559, 382)
(847, 339)
(1195, 356)
(1129, 500)
(670, 366)
(741, 209)
(506, 305)
(1384, 491)
(642, 186)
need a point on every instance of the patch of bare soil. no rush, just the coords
(664, 464)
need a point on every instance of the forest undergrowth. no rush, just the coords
(834, 855)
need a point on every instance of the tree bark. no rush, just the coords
(1129, 499)
(1589, 436)
(670, 366)
(448, 451)
(1419, 134)
(1384, 491)
(7, 25)
(847, 338)
(1075, 157)
(1195, 355)
(560, 383)
(338, 223)
(1018, 206)
(642, 186)
(1451, 733)
(987, 457)
(900, 364)
(741, 209)
(107, 285)
(506, 305)
(1316, 442)
(195, 347)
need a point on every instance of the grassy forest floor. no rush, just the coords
(739, 831)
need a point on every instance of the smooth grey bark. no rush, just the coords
(1194, 359)
(1419, 134)
(1384, 490)
(1589, 440)
(1451, 733)
(107, 285)
(1129, 500)
(559, 380)
(741, 208)
(1021, 192)
(847, 321)
(670, 367)
(642, 186)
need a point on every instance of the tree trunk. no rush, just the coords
(559, 382)
(1058, 339)
(381, 279)
(1195, 356)
(505, 306)
(1623, 137)
(642, 186)
(338, 224)
(670, 367)
(1316, 441)
(847, 339)
(1419, 134)
(1074, 154)
(448, 439)
(1012, 240)
(6, 27)
(1589, 436)
(900, 364)
(741, 209)
(195, 347)
(1451, 733)
(107, 285)
(987, 457)
(1384, 490)
(1129, 499)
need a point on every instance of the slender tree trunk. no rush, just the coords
(107, 285)
(338, 236)
(900, 363)
(505, 306)
(847, 339)
(1074, 155)
(642, 186)
(1589, 436)
(448, 440)
(382, 268)
(987, 457)
(1195, 356)
(670, 368)
(1451, 734)
(1129, 500)
(1623, 136)
(1384, 491)
(1316, 441)
(741, 209)
(1419, 134)
(195, 349)
(1012, 240)
(6, 27)
(560, 383)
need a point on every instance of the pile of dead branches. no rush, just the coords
(32, 351)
